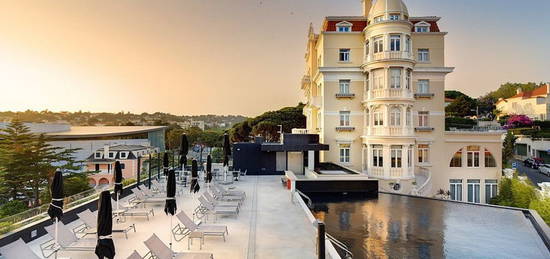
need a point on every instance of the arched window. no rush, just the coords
(395, 116)
(489, 159)
(378, 117)
(456, 161)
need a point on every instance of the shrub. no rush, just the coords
(517, 121)
(542, 206)
(12, 207)
(459, 122)
(128, 181)
(515, 193)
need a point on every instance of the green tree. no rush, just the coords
(508, 147)
(515, 193)
(268, 130)
(453, 94)
(461, 106)
(12, 207)
(75, 183)
(508, 90)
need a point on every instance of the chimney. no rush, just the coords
(367, 4)
(105, 151)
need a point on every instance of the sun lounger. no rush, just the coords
(189, 226)
(90, 224)
(161, 251)
(17, 249)
(134, 255)
(211, 199)
(217, 211)
(230, 192)
(141, 198)
(218, 195)
(67, 240)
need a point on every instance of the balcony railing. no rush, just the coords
(390, 131)
(424, 95)
(345, 95)
(389, 93)
(423, 129)
(345, 128)
(392, 173)
(389, 55)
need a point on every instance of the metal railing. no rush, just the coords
(309, 201)
(340, 245)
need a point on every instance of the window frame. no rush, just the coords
(395, 42)
(345, 153)
(491, 189)
(423, 119)
(344, 55)
(474, 185)
(396, 157)
(392, 16)
(423, 153)
(473, 156)
(345, 118)
(455, 189)
(377, 156)
(395, 78)
(344, 84)
(378, 44)
(423, 86)
(424, 55)
(343, 28)
(378, 117)
(395, 117)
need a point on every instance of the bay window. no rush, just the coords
(395, 43)
(395, 78)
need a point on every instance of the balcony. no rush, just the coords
(390, 173)
(391, 93)
(423, 129)
(389, 55)
(345, 128)
(345, 95)
(424, 95)
(389, 131)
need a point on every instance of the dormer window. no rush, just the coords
(123, 155)
(98, 155)
(394, 17)
(422, 27)
(343, 26)
(112, 155)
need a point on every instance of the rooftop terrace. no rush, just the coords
(269, 225)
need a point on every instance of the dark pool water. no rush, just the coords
(394, 226)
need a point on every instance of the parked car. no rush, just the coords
(545, 169)
(533, 162)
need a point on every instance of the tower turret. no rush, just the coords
(367, 4)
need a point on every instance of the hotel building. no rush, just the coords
(375, 86)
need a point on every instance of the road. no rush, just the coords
(533, 174)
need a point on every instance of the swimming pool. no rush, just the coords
(395, 226)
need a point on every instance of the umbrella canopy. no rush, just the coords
(105, 246)
(138, 171)
(208, 169)
(170, 206)
(165, 163)
(184, 149)
(118, 179)
(194, 177)
(226, 149)
(56, 206)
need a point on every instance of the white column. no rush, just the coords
(363, 149)
(386, 118)
(403, 118)
(404, 160)
(387, 160)
(311, 160)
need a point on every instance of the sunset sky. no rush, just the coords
(242, 57)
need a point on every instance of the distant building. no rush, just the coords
(528, 147)
(535, 103)
(189, 124)
(90, 138)
(103, 162)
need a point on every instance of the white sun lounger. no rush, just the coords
(67, 240)
(90, 224)
(190, 226)
(134, 255)
(230, 192)
(211, 199)
(141, 198)
(218, 195)
(161, 251)
(217, 211)
(17, 249)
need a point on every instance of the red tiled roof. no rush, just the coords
(543, 90)
(357, 25)
(433, 25)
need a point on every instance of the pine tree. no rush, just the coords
(15, 152)
(508, 147)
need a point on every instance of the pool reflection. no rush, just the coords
(394, 226)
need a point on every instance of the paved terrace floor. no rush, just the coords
(269, 225)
